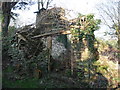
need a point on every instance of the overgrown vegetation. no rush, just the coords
(89, 65)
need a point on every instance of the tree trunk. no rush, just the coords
(6, 10)
(119, 45)
(119, 31)
(5, 24)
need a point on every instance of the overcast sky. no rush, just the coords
(76, 6)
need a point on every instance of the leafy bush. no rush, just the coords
(21, 65)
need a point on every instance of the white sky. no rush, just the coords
(77, 6)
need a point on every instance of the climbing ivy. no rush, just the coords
(83, 29)
(87, 25)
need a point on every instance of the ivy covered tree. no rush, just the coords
(83, 29)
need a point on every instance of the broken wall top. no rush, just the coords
(53, 18)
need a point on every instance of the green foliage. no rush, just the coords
(7, 40)
(28, 66)
(18, 60)
(11, 31)
(90, 17)
(90, 25)
(87, 25)
(9, 69)
(68, 72)
(80, 75)
(93, 24)
(1, 17)
(101, 68)
(27, 83)
(113, 43)
(18, 73)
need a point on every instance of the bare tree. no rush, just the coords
(42, 3)
(119, 30)
(110, 13)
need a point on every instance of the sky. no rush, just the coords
(75, 6)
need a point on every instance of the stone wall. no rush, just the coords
(50, 20)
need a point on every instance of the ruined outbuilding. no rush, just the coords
(33, 40)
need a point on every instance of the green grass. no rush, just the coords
(28, 83)
(25, 83)
(45, 82)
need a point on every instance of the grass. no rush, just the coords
(9, 83)
(28, 83)
(45, 82)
